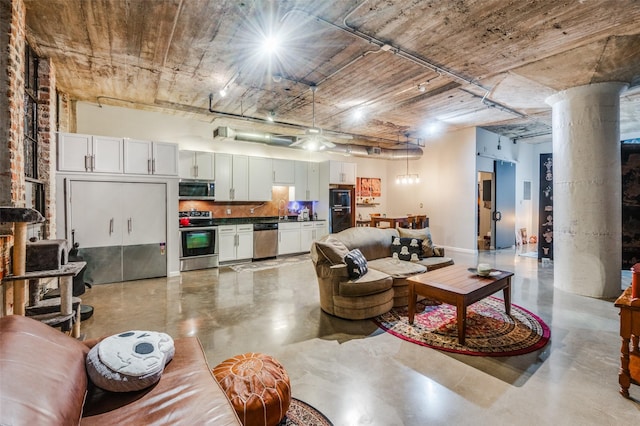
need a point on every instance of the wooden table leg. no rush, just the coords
(462, 321)
(412, 302)
(507, 297)
(624, 376)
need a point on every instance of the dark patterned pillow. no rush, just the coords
(356, 264)
(406, 248)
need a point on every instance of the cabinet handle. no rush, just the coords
(110, 226)
(196, 170)
(86, 163)
(130, 224)
(149, 165)
(308, 194)
(153, 165)
(93, 162)
(273, 176)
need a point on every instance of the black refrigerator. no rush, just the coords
(340, 216)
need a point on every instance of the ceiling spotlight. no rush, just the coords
(421, 87)
(223, 92)
(271, 116)
(271, 44)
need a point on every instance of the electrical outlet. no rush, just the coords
(252, 211)
(228, 211)
(421, 205)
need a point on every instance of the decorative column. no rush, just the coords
(587, 189)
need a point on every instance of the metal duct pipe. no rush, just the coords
(412, 153)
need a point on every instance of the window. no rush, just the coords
(35, 187)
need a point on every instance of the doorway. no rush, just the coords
(485, 210)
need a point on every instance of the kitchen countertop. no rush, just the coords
(268, 219)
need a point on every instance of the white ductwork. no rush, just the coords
(411, 153)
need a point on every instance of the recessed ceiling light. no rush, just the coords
(271, 44)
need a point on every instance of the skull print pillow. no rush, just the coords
(129, 361)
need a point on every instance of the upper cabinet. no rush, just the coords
(342, 173)
(150, 158)
(307, 181)
(232, 177)
(86, 153)
(196, 165)
(260, 175)
(283, 172)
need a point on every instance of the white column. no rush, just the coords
(587, 203)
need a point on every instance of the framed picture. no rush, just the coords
(368, 187)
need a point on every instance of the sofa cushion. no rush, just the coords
(423, 234)
(372, 242)
(332, 249)
(43, 380)
(356, 264)
(396, 268)
(409, 249)
(373, 282)
(436, 262)
(129, 361)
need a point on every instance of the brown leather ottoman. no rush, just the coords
(257, 386)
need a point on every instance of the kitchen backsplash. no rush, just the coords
(249, 209)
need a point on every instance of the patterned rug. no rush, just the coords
(261, 265)
(490, 332)
(302, 414)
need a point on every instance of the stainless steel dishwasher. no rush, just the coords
(265, 240)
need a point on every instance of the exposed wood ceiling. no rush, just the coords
(487, 63)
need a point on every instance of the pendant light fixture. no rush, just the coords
(407, 178)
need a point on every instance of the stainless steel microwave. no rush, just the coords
(196, 189)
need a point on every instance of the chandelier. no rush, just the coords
(407, 178)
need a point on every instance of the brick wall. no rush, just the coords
(47, 141)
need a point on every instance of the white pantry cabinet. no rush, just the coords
(150, 158)
(232, 177)
(87, 153)
(260, 178)
(342, 173)
(196, 165)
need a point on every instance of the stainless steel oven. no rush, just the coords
(198, 241)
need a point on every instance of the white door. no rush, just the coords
(240, 172)
(260, 177)
(226, 243)
(223, 168)
(107, 154)
(137, 157)
(96, 217)
(164, 159)
(73, 152)
(204, 165)
(187, 164)
(144, 213)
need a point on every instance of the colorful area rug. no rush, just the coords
(302, 414)
(490, 332)
(261, 265)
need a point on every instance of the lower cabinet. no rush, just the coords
(297, 237)
(235, 242)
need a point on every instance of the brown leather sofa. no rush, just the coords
(384, 285)
(44, 382)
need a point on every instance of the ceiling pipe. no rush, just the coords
(343, 149)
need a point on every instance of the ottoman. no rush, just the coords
(257, 386)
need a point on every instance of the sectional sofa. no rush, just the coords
(384, 285)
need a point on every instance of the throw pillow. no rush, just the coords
(332, 249)
(356, 264)
(129, 361)
(406, 248)
(423, 234)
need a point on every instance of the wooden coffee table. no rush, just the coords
(457, 286)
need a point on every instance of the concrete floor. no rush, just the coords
(358, 375)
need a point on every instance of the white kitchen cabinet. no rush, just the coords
(307, 181)
(288, 238)
(196, 165)
(87, 153)
(320, 228)
(232, 177)
(283, 172)
(307, 235)
(342, 173)
(121, 229)
(150, 158)
(260, 177)
(235, 242)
